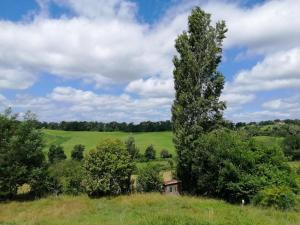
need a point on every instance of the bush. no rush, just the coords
(149, 179)
(165, 154)
(278, 197)
(56, 153)
(230, 166)
(77, 152)
(150, 153)
(69, 175)
(131, 148)
(108, 169)
(291, 146)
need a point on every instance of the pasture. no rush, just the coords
(160, 140)
(140, 209)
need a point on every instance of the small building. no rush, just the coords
(172, 187)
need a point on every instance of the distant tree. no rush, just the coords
(77, 152)
(21, 155)
(56, 153)
(108, 169)
(149, 179)
(198, 85)
(150, 152)
(291, 146)
(131, 148)
(165, 154)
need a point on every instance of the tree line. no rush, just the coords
(146, 126)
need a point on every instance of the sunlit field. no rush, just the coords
(150, 209)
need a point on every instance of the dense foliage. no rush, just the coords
(77, 152)
(149, 179)
(165, 154)
(56, 153)
(230, 166)
(69, 175)
(291, 147)
(131, 148)
(198, 85)
(21, 158)
(108, 169)
(147, 126)
(278, 197)
(150, 153)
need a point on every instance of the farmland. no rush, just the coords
(160, 140)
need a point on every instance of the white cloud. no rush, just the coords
(15, 78)
(277, 71)
(152, 87)
(235, 99)
(67, 103)
(267, 26)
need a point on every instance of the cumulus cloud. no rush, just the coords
(152, 87)
(278, 70)
(67, 103)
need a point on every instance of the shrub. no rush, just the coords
(165, 154)
(149, 179)
(230, 166)
(131, 148)
(56, 153)
(77, 152)
(291, 146)
(150, 153)
(69, 175)
(108, 169)
(278, 197)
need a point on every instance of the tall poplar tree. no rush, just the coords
(198, 85)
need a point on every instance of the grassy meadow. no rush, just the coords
(141, 209)
(90, 139)
(160, 140)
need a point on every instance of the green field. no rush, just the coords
(160, 140)
(147, 209)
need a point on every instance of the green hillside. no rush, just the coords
(160, 140)
(147, 209)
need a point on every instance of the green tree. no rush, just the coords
(56, 153)
(228, 165)
(77, 152)
(108, 169)
(69, 174)
(21, 155)
(165, 154)
(131, 148)
(198, 85)
(149, 179)
(291, 147)
(150, 152)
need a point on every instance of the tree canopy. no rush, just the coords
(198, 85)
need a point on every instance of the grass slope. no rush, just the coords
(150, 209)
(160, 140)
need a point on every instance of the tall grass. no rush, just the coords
(140, 209)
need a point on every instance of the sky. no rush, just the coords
(99, 60)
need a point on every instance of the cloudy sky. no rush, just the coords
(112, 60)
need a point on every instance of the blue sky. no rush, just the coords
(112, 60)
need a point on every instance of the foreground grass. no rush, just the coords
(152, 209)
(160, 140)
